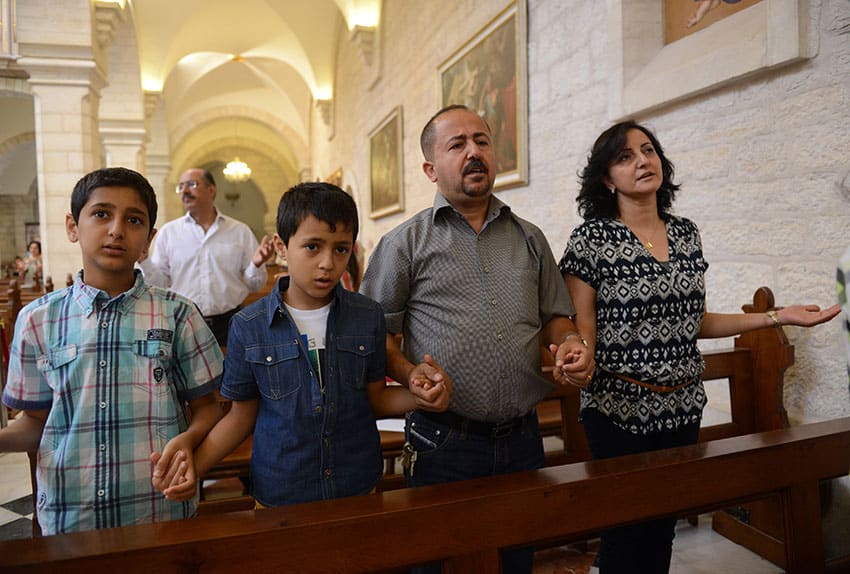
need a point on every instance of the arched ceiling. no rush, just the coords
(220, 64)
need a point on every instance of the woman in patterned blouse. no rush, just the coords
(635, 273)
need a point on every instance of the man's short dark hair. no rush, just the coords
(113, 177)
(324, 201)
(426, 139)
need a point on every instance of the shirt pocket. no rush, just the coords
(55, 366)
(353, 355)
(275, 369)
(151, 371)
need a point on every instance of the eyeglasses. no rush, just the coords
(191, 185)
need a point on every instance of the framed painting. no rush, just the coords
(385, 166)
(488, 74)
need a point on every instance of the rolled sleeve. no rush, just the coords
(26, 388)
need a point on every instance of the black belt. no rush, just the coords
(481, 428)
(210, 319)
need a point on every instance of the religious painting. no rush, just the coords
(488, 74)
(385, 166)
(684, 17)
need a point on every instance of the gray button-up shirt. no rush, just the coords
(475, 301)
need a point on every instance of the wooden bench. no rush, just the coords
(465, 523)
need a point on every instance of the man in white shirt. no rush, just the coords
(206, 256)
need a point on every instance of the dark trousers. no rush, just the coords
(644, 548)
(446, 454)
(220, 325)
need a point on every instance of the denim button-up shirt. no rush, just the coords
(309, 445)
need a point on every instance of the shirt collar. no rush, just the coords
(219, 216)
(496, 207)
(274, 303)
(91, 299)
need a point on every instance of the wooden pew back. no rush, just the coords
(467, 522)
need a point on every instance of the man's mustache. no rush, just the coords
(475, 164)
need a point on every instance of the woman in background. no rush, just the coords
(32, 265)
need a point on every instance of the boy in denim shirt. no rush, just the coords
(102, 371)
(305, 369)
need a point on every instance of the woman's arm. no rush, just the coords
(716, 325)
(584, 300)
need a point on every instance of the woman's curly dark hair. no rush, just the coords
(594, 199)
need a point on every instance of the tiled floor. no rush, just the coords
(697, 550)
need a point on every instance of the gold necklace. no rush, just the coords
(648, 243)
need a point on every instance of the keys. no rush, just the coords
(408, 457)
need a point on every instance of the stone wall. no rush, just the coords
(760, 160)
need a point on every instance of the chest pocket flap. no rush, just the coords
(56, 358)
(271, 354)
(362, 346)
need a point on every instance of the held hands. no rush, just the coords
(806, 315)
(574, 363)
(264, 252)
(174, 471)
(430, 386)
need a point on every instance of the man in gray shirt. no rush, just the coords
(474, 292)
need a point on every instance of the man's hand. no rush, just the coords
(574, 363)
(264, 252)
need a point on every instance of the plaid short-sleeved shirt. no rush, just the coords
(114, 374)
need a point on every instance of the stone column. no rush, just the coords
(124, 143)
(66, 97)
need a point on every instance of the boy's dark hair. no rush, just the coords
(113, 177)
(324, 201)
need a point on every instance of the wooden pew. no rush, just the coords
(466, 522)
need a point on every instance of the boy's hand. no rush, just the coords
(174, 470)
(430, 386)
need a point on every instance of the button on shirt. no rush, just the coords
(309, 444)
(475, 301)
(214, 269)
(114, 374)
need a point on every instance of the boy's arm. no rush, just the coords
(225, 436)
(205, 413)
(23, 434)
(395, 400)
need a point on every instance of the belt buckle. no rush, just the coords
(503, 430)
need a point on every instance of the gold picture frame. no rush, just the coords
(488, 74)
(386, 173)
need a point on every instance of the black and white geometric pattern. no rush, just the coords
(648, 317)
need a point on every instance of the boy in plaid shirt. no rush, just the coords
(103, 370)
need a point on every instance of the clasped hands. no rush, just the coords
(430, 386)
(574, 363)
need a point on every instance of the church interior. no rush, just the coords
(752, 102)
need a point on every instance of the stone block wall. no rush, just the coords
(760, 161)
